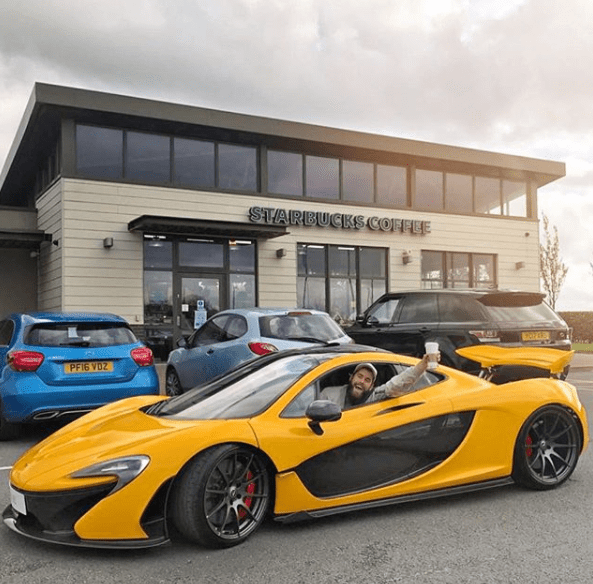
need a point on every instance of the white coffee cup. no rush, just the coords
(432, 350)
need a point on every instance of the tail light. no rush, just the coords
(25, 360)
(262, 348)
(485, 335)
(142, 356)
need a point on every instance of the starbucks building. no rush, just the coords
(155, 210)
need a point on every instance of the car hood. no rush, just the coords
(554, 360)
(114, 431)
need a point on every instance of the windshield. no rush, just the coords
(243, 397)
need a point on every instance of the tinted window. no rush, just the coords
(193, 162)
(237, 167)
(460, 309)
(99, 152)
(538, 312)
(357, 181)
(6, 330)
(148, 157)
(420, 308)
(323, 177)
(392, 187)
(285, 173)
(84, 334)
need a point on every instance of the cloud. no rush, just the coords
(512, 76)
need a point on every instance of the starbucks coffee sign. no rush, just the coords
(277, 216)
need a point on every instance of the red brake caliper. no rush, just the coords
(250, 489)
(528, 443)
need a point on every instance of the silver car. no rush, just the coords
(231, 337)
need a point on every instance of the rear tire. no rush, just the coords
(222, 497)
(547, 449)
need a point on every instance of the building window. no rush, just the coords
(458, 193)
(341, 280)
(285, 173)
(357, 181)
(443, 269)
(237, 167)
(148, 157)
(193, 163)
(392, 186)
(487, 195)
(514, 198)
(429, 190)
(99, 152)
(323, 177)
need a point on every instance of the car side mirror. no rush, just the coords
(322, 410)
(181, 342)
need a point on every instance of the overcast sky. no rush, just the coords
(512, 76)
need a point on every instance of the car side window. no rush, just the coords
(6, 330)
(458, 309)
(211, 332)
(420, 308)
(298, 406)
(385, 312)
(236, 327)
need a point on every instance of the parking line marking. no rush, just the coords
(5, 467)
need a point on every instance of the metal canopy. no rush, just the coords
(22, 239)
(202, 227)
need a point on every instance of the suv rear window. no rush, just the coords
(87, 334)
(537, 313)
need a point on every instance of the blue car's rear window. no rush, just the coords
(86, 334)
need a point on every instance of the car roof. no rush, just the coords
(475, 292)
(36, 317)
(257, 311)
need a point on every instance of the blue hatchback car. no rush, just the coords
(57, 365)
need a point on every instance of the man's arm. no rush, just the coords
(402, 382)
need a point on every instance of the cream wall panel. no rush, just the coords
(49, 219)
(92, 211)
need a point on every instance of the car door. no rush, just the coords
(371, 451)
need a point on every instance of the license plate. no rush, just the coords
(17, 500)
(535, 336)
(88, 367)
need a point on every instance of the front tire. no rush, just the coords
(547, 449)
(172, 384)
(222, 497)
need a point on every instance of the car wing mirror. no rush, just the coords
(322, 410)
(181, 342)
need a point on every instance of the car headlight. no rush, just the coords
(125, 469)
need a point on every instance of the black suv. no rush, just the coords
(403, 321)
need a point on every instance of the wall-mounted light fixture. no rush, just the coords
(108, 242)
(280, 252)
(406, 257)
(519, 265)
(33, 253)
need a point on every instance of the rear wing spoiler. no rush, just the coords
(553, 360)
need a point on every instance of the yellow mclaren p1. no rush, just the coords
(212, 463)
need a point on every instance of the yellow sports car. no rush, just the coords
(214, 462)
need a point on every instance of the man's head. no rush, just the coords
(362, 381)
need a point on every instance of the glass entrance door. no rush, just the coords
(198, 297)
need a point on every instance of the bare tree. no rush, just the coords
(553, 271)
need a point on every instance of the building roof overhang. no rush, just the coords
(50, 105)
(187, 227)
(16, 239)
